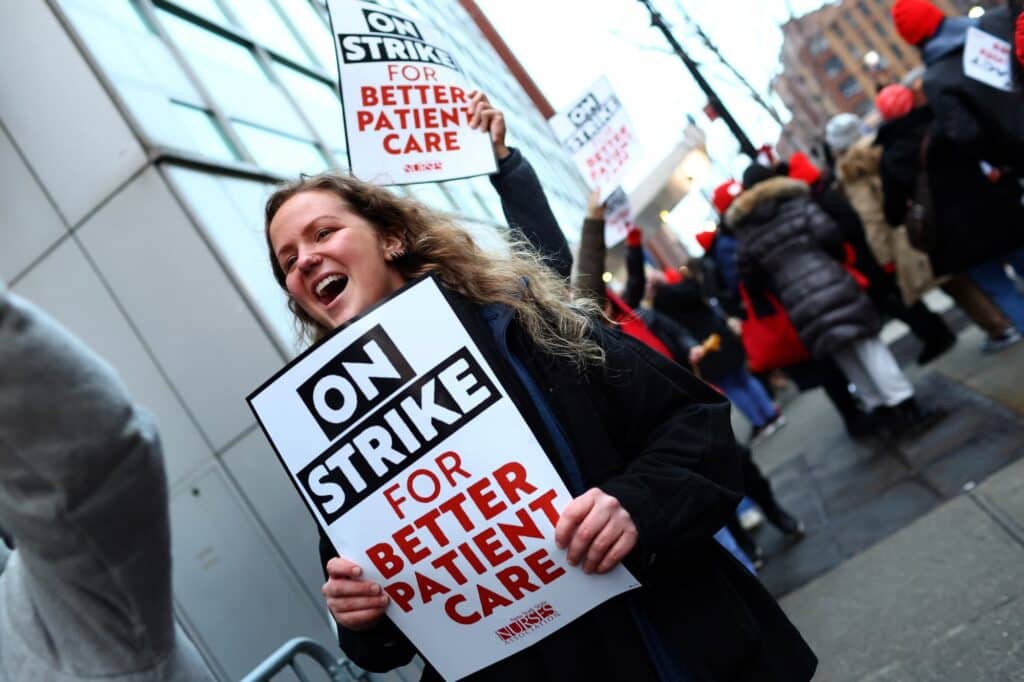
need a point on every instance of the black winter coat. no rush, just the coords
(649, 433)
(985, 121)
(788, 243)
(974, 219)
(527, 211)
(684, 303)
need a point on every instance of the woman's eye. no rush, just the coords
(322, 234)
(289, 263)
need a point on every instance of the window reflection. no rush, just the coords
(208, 9)
(313, 30)
(279, 153)
(319, 101)
(266, 26)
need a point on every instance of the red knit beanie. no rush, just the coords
(725, 194)
(705, 239)
(802, 168)
(916, 20)
(894, 101)
(1019, 39)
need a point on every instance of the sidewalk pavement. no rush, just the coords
(913, 564)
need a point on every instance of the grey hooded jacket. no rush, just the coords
(86, 595)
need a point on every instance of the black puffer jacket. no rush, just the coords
(787, 242)
(974, 219)
(987, 121)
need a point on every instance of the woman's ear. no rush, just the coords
(393, 247)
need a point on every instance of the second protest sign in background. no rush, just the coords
(405, 99)
(412, 457)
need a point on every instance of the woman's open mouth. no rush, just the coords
(330, 287)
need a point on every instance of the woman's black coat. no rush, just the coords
(974, 219)
(649, 433)
(787, 243)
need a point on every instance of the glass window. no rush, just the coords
(431, 195)
(818, 44)
(319, 101)
(849, 87)
(199, 44)
(833, 67)
(487, 195)
(313, 30)
(230, 213)
(266, 26)
(153, 87)
(235, 78)
(279, 153)
(466, 201)
(202, 131)
(208, 9)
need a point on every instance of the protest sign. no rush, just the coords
(598, 135)
(404, 98)
(412, 457)
(618, 217)
(987, 59)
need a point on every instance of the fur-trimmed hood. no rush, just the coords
(862, 160)
(772, 190)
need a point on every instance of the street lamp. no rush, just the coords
(872, 59)
(976, 12)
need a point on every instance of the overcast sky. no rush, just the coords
(567, 44)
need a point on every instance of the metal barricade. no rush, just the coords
(337, 669)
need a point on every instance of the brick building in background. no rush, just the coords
(836, 58)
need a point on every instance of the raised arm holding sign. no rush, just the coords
(488, 461)
(406, 104)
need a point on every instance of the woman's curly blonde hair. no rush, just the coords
(433, 243)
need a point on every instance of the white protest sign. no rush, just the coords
(597, 133)
(618, 217)
(419, 467)
(987, 59)
(404, 98)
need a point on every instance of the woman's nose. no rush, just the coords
(308, 261)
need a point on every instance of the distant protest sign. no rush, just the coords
(404, 98)
(618, 217)
(412, 457)
(987, 59)
(597, 134)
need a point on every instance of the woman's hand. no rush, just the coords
(485, 116)
(597, 530)
(355, 603)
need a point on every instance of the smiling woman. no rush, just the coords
(645, 449)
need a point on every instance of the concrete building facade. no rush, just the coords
(138, 142)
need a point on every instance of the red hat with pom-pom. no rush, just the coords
(894, 101)
(802, 168)
(916, 20)
(725, 194)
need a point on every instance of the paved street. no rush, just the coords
(913, 565)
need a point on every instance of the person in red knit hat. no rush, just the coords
(894, 101)
(984, 118)
(916, 20)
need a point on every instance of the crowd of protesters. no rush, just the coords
(807, 263)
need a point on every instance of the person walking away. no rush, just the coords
(787, 241)
(986, 122)
(967, 218)
(936, 337)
